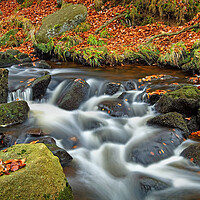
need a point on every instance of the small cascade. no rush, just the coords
(25, 94)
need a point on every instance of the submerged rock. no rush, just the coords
(60, 21)
(39, 86)
(156, 148)
(192, 153)
(42, 176)
(75, 95)
(185, 100)
(171, 120)
(13, 113)
(116, 108)
(3, 85)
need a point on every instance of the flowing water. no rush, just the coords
(99, 143)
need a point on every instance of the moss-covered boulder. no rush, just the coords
(60, 21)
(192, 153)
(40, 85)
(7, 59)
(75, 95)
(185, 100)
(3, 85)
(41, 178)
(13, 113)
(171, 120)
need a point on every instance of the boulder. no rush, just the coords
(60, 21)
(171, 120)
(116, 108)
(160, 146)
(42, 64)
(41, 178)
(75, 95)
(192, 153)
(112, 88)
(3, 85)
(7, 60)
(185, 100)
(39, 86)
(130, 85)
(13, 113)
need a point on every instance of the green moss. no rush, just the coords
(46, 48)
(41, 177)
(189, 92)
(83, 27)
(9, 38)
(93, 41)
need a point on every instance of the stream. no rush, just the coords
(101, 144)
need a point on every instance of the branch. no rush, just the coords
(108, 22)
(170, 34)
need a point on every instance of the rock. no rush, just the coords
(60, 21)
(192, 124)
(7, 60)
(13, 113)
(171, 120)
(75, 95)
(63, 156)
(192, 153)
(39, 86)
(148, 184)
(5, 140)
(42, 64)
(116, 108)
(185, 100)
(41, 178)
(13, 52)
(129, 85)
(40, 139)
(160, 146)
(3, 85)
(112, 88)
(22, 55)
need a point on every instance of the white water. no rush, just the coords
(102, 170)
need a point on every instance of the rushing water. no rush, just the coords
(98, 143)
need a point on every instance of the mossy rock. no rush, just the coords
(185, 100)
(41, 178)
(171, 120)
(7, 59)
(14, 52)
(13, 113)
(60, 21)
(3, 85)
(40, 85)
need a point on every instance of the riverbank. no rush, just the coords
(124, 40)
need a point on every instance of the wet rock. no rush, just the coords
(192, 124)
(129, 85)
(42, 169)
(116, 108)
(13, 113)
(75, 95)
(5, 140)
(44, 140)
(185, 100)
(171, 120)
(148, 184)
(112, 88)
(64, 157)
(35, 132)
(7, 60)
(3, 85)
(192, 153)
(42, 64)
(158, 147)
(39, 86)
(60, 21)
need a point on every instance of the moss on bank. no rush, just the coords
(41, 178)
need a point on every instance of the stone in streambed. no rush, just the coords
(3, 85)
(75, 95)
(158, 147)
(185, 100)
(42, 176)
(61, 21)
(116, 108)
(112, 88)
(39, 86)
(192, 153)
(13, 113)
(7, 60)
(171, 120)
